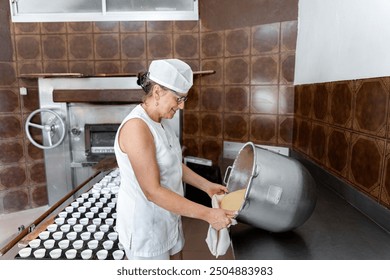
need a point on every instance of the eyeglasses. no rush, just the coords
(179, 99)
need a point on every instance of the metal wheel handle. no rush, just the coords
(49, 129)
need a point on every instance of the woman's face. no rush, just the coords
(169, 103)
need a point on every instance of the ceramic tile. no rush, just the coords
(338, 151)
(83, 67)
(10, 126)
(107, 46)
(186, 46)
(80, 47)
(237, 70)
(107, 67)
(29, 67)
(287, 68)
(11, 152)
(8, 74)
(28, 47)
(237, 99)
(53, 27)
(318, 142)
(341, 102)
(79, 27)
(159, 26)
(289, 30)
(133, 46)
(191, 146)
(37, 172)
(27, 28)
(211, 148)
(366, 163)
(212, 99)
(54, 47)
(285, 129)
(133, 66)
(56, 66)
(303, 135)
(263, 129)
(286, 100)
(191, 124)
(211, 125)
(132, 26)
(6, 42)
(320, 102)
(265, 70)
(265, 38)
(159, 45)
(236, 127)
(385, 191)
(264, 99)
(13, 177)
(106, 26)
(9, 101)
(371, 105)
(186, 26)
(39, 195)
(212, 44)
(237, 42)
(16, 199)
(303, 101)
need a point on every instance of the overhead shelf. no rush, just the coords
(80, 75)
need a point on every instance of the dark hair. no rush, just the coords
(144, 81)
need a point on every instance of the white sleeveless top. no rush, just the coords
(144, 228)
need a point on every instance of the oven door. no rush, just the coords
(99, 140)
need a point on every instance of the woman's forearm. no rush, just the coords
(194, 179)
(178, 204)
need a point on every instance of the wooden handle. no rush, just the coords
(205, 72)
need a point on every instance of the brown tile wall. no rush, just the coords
(250, 97)
(344, 127)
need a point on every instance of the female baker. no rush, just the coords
(150, 200)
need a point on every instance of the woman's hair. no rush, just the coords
(146, 83)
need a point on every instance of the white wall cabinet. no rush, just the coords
(103, 10)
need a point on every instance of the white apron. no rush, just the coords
(145, 229)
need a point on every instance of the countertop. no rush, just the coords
(335, 231)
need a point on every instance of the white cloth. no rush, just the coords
(145, 229)
(218, 241)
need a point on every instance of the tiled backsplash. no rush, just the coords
(344, 127)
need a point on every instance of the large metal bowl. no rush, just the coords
(280, 192)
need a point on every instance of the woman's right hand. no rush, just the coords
(220, 218)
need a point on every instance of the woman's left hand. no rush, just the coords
(214, 188)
